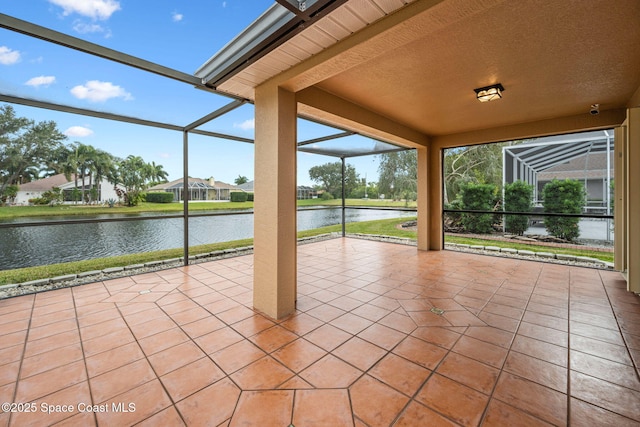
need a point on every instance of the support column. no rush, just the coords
(633, 199)
(436, 186)
(274, 283)
(423, 198)
(620, 198)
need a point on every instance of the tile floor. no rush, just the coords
(518, 343)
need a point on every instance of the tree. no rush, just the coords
(25, 146)
(398, 174)
(241, 179)
(566, 196)
(329, 176)
(157, 174)
(133, 174)
(480, 164)
(517, 198)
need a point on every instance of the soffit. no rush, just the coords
(554, 59)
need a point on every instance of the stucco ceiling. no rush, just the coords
(418, 64)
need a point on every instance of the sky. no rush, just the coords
(181, 35)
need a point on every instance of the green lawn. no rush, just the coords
(10, 212)
(387, 227)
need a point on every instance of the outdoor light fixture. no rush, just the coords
(489, 93)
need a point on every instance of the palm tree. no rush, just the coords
(156, 173)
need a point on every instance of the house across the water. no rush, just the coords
(199, 189)
(36, 189)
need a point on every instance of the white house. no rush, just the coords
(35, 189)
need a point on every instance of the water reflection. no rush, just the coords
(31, 246)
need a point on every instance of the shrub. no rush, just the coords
(250, 197)
(478, 197)
(239, 196)
(326, 196)
(567, 196)
(517, 198)
(159, 197)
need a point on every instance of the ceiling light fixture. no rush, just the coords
(489, 93)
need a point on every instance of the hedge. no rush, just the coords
(239, 196)
(517, 198)
(159, 197)
(478, 197)
(567, 196)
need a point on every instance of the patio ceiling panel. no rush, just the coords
(417, 63)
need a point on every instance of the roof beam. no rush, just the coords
(347, 115)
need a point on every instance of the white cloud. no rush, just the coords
(177, 17)
(9, 56)
(164, 155)
(94, 9)
(97, 91)
(41, 81)
(248, 124)
(78, 131)
(224, 4)
(84, 28)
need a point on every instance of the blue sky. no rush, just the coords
(178, 34)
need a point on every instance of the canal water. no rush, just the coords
(32, 246)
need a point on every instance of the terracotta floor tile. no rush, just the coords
(500, 414)
(491, 335)
(299, 354)
(419, 415)
(237, 356)
(235, 314)
(438, 336)
(463, 318)
(399, 322)
(263, 408)
(273, 338)
(322, 408)
(541, 350)
(11, 354)
(346, 303)
(107, 342)
(265, 373)
(351, 323)
(382, 336)
(330, 372)
(85, 419)
(217, 340)
(542, 333)
(301, 323)
(371, 312)
(36, 333)
(536, 370)
(112, 359)
(376, 403)
(595, 332)
(166, 417)
(72, 395)
(325, 312)
(456, 401)
(469, 372)
(327, 337)
(9, 372)
(295, 383)
(503, 310)
(252, 325)
(585, 414)
(224, 393)
(50, 381)
(202, 327)
(401, 374)
(537, 400)
(163, 340)
(175, 357)
(190, 378)
(498, 321)
(545, 320)
(359, 353)
(427, 318)
(147, 400)
(420, 352)
(50, 360)
(604, 369)
(120, 380)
